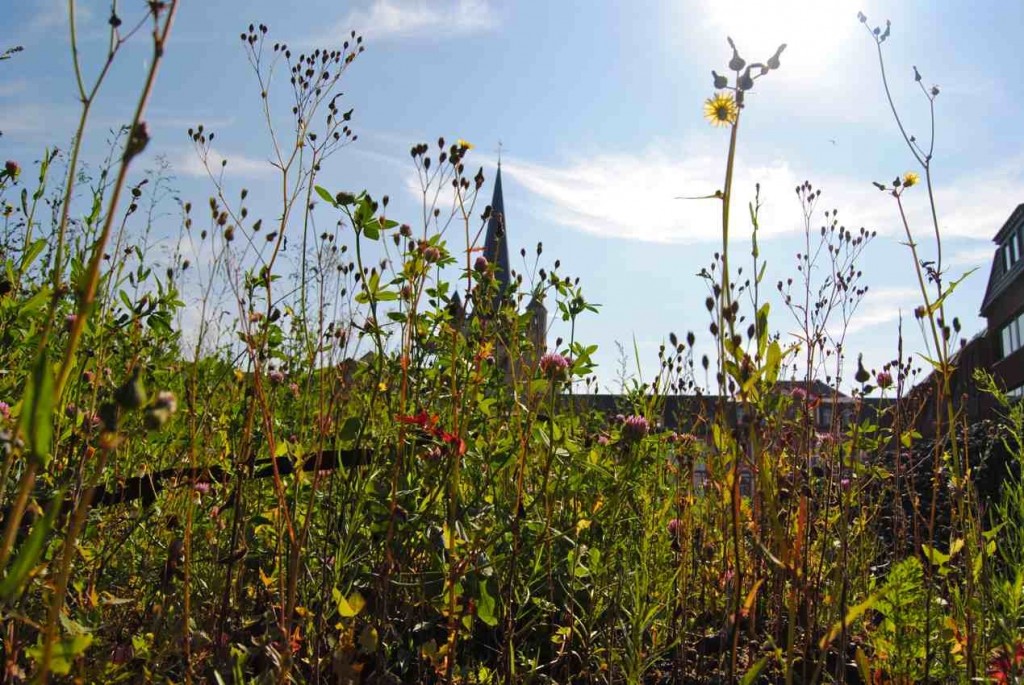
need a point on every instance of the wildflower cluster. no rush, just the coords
(554, 366)
(634, 428)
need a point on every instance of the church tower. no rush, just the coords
(496, 253)
(496, 240)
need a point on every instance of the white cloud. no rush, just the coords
(632, 196)
(408, 18)
(979, 257)
(882, 306)
(187, 163)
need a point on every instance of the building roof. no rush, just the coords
(998, 277)
(816, 387)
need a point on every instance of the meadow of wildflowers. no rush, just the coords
(350, 479)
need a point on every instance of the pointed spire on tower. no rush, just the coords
(495, 242)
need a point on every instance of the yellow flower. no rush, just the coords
(721, 110)
(910, 179)
(464, 144)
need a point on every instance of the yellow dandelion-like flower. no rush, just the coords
(910, 179)
(464, 144)
(721, 110)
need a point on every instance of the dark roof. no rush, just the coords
(998, 278)
(815, 387)
(495, 242)
(1016, 218)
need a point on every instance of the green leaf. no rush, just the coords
(33, 251)
(29, 553)
(762, 325)
(371, 231)
(325, 196)
(936, 557)
(34, 303)
(751, 676)
(862, 665)
(64, 652)
(349, 606)
(852, 615)
(37, 412)
(949, 291)
(350, 429)
(485, 606)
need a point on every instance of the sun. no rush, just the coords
(815, 32)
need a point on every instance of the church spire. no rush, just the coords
(496, 243)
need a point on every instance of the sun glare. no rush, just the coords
(815, 32)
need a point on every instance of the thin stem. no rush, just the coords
(133, 146)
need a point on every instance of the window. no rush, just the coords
(846, 418)
(700, 478)
(1011, 250)
(746, 484)
(1012, 335)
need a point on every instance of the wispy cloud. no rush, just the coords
(883, 306)
(179, 124)
(632, 196)
(53, 14)
(186, 163)
(9, 88)
(32, 122)
(384, 19)
(974, 256)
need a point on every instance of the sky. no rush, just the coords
(598, 110)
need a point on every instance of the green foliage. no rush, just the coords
(347, 476)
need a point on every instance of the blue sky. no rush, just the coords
(598, 107)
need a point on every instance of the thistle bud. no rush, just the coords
(773, 61)
(132, 394)
(746, 81)
(862, 376)
(737, 62)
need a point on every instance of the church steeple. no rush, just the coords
(495, 242)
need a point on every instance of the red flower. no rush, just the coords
(428, 423)
(1004, 669)
(451, 439)
(423, 420)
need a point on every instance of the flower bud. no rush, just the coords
(132, 394)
